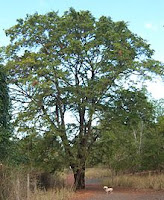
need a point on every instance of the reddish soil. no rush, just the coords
(118, 194)
(94, 191)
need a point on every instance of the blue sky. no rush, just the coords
(145, 17)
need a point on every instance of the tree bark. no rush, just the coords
(79, 178)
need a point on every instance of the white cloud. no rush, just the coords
(151, 26)
(156, 88)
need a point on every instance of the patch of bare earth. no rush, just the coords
(94, 191)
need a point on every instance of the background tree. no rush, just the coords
(159, 108)
(69, 66)
(153, 151)
(42, 153)
(153, 154)
(5, 133)
(127, 123)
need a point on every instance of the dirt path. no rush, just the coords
(94, 191)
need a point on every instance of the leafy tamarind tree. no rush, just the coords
(69, 66)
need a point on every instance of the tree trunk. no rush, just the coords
(79, 178)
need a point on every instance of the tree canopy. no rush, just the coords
(71, 65)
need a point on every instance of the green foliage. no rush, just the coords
(128, 125)
(159, 108)
(71, 64)
(43, 153)
(129, 107)
(153, 157)
(5, 133)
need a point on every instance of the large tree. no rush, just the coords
(69, 66)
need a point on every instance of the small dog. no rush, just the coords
(108, 189)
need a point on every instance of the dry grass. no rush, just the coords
(155, 182)
(62, 194)
(13, 186)
(147, 181)
(96, 173)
